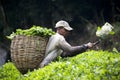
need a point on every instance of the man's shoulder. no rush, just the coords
(57, 36)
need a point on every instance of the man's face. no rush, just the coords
(63, 31)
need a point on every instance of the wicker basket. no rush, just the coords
(27, 52)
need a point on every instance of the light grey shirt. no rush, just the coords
(53, 45)
(57, 44)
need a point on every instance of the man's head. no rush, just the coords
(63, 24)
(63, 27)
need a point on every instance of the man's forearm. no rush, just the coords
(74, 51)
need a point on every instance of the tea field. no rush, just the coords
(90, 65)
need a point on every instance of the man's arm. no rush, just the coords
(73, 50)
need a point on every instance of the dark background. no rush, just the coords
(83, 15)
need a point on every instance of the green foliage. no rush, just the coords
(91, 65)
(115, 50)
(98, 28)
(112, 33)
(33, 31)
(9, 72)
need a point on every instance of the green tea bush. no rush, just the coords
(90, 65)
(9, 72)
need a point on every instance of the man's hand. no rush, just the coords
(90, 45)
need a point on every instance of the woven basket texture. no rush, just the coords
(27, 52)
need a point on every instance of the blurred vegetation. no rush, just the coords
(90, 65)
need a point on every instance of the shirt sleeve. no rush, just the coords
(65, 46)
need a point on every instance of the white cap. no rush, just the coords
(64, 24)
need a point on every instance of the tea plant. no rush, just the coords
(93, 65)
(9, 72)
(90, 65)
